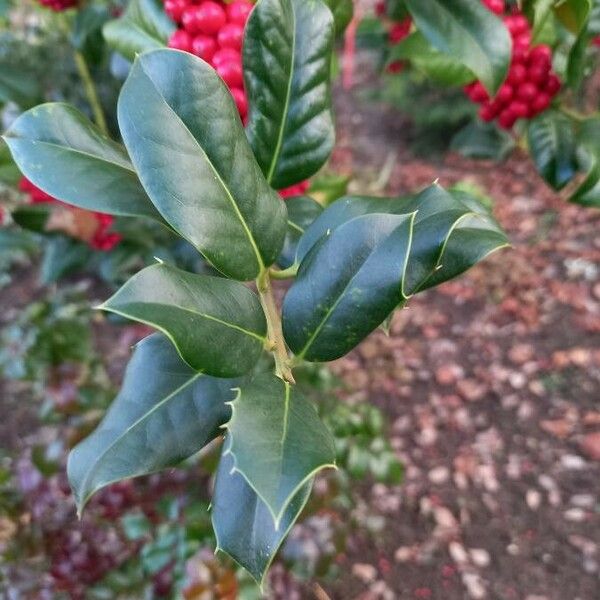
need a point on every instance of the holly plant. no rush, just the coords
(188, 163)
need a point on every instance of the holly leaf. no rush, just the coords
(186, 140)
(144, 26)
(359, 269)
(468, 32)
(438, 66)
(288, 49)
(483, 140)
(551, 139)
(302, 211)
(18, 84)
(164, 413)
(59, 150)
(243, 524)
(352, 257)
(217, 326)
(277, 442)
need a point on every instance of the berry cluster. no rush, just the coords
(396, 32)
(214, 31)
(103, 239)
(531, 84)
(59, 5)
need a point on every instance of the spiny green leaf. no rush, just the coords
(186, 140)
(60, 151)
(164, 413)
(144, 26)
(243, 524)
(470, 33)
(287, 60)
(347, 285)
(450, 233)
(217, 326)
(277, 441)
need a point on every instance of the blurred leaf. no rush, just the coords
(144, 26)
(483, 140)
(62, 256)
(573, 14)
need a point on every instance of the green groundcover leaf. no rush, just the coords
(164, 413)
(217, 325)
(551, 138)
(60, 151)
(185, 138)
(287, 62)
(243, 524)
(277, 441)
(449, 234)
(470, 33)
(302, 211)
(143, 27)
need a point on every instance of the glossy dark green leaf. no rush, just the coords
(164, 413)
(186, 140)
(287, 60)
(343, 11)
(9, 172)
(144, 26)
(451, 232)
(588, 142)
(588, 193)
(438, 66)
(277, 441)
(32, 217)
(243, 524)
(87, 31)
(483, 140)
(302, 211)
(347, 285)
(551, 138)
(60, 151)
(217, 325)
(470, 33)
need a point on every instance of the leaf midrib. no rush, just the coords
(286, 106)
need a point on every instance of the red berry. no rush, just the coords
(505, 93)
(380, 8)
(527, 91)
(231, 73)
(541, 53)
(537, 74)
(181, 40)
(210, 17)
(519, 109)
(553, 84)
(190, 18)
(396, 66)
(204, 46)
(541, 102)
(226, 55)
(231, 36)
(175, 8)
(241, 101)
(238, 11)
(517, 74)
(517, 24)
(399, 31)
(507, 118)
(487, 113)
(478, 93)
(496, 6)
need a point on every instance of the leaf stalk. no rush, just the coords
(274, 327)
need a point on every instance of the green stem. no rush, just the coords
(573, 114)
(274, 327)
(285, 273)
(90, 91)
